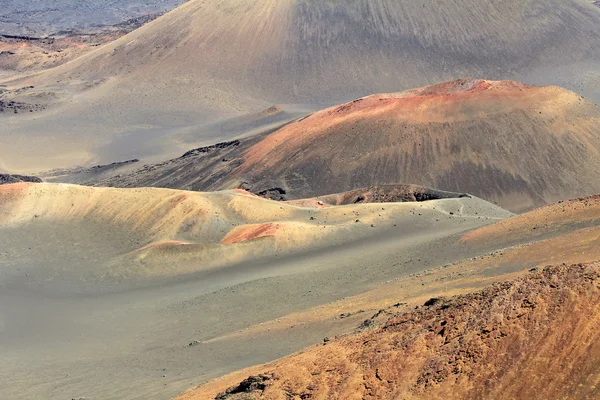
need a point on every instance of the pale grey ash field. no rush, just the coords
(299, 199)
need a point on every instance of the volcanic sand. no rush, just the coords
(113, 315)
(103, 289)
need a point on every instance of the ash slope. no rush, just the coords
(209, 59)
(517, 145)
(309, 52)
(501, 342)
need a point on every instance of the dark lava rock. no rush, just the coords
(255, 383)
(432, 301)
(7, 178)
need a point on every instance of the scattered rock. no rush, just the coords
(211, 148)
(350, 314)
(277, 194)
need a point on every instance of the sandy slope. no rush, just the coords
(517, 145)
(102, 290)
(214, 58)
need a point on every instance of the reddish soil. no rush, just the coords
(245, 233)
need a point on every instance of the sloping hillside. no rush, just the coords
(499, 343)
(518, 145)
(160, 233)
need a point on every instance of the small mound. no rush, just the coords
(273, 110)
(381, 194)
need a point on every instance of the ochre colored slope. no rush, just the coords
(551, 219)
(565, 233)
(535, 337)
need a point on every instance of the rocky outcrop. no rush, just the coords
(535, 337)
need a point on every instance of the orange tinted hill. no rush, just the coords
(561, 216)
(518, 145)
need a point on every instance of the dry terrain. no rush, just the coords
(483, 350)
(435, 334)
(43, 18)
(22, 54)
(209, 60)
(109, 292)
(299, 199)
